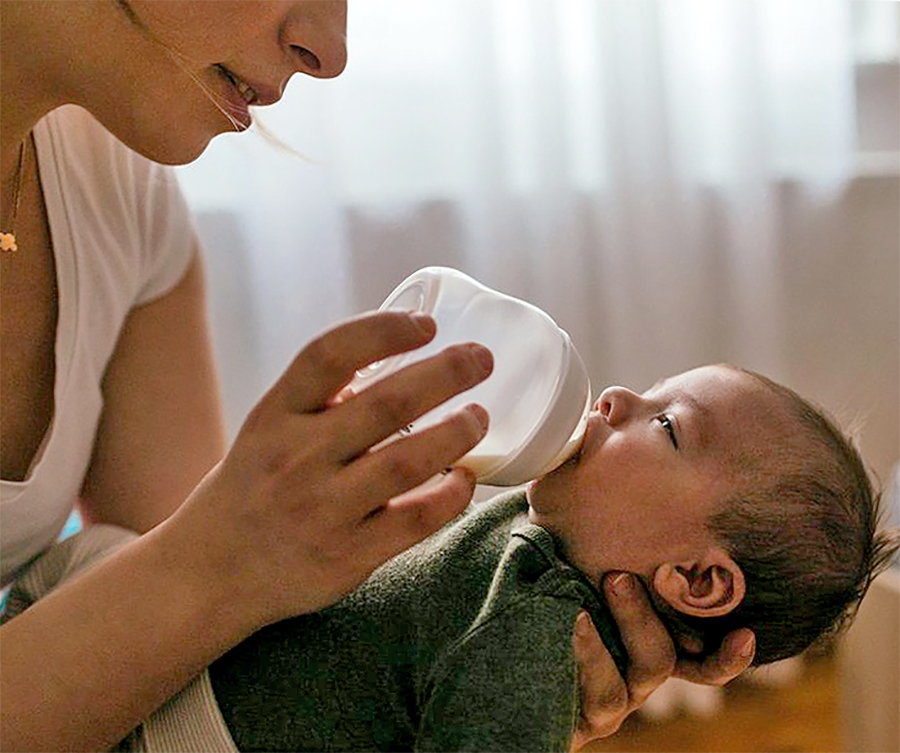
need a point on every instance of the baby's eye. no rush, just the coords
(669, 426)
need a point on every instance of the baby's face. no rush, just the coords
(654, 467)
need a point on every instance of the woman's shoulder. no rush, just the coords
(88, 158)
(77, 136)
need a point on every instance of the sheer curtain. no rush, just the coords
(621, 163)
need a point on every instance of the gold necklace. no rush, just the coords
(8, 239)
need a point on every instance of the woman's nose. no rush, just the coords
(316, 34)
(616, 404)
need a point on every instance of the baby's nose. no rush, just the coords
(616, 404)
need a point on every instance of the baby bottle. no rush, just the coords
(538, 395)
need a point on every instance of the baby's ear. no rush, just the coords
(709, 586)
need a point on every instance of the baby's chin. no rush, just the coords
(542, 513)
(546, 494)
(537, 510)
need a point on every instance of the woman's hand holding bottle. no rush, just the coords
(302, 508)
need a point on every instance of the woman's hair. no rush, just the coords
(805, 534)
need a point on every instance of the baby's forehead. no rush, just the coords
(713, 378)
(745, 423)
(723, 390)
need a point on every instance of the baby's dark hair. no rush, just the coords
(806, 538)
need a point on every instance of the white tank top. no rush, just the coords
(122, 236)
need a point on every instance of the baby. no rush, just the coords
(735, 502)
(754, 511)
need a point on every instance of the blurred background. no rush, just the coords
(676, 182)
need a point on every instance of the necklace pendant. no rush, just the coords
(8, 242)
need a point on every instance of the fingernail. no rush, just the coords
(484, 357)
(582, 625)
(746, 650)
(425, 323)
(621, 584)
(480, 414)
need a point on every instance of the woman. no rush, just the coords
(109, 392)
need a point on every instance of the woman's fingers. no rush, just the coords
(408, 462)
(408, 519)
(603, 695)
(607, 698)
(303, 500)
(386, 407)
(328, 363)
(387, 531)
(651, 652)
(733, 657)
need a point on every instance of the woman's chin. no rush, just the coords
(183, 151)
(178, 144)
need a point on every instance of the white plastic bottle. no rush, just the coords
(538, 395)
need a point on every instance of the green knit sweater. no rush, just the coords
(462, 643)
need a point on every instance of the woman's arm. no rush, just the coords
(261, 538)
(83, 668)
(161, 429)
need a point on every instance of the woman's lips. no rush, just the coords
(244, 94)
(247, 93)
(252, 92)
(233, 102)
